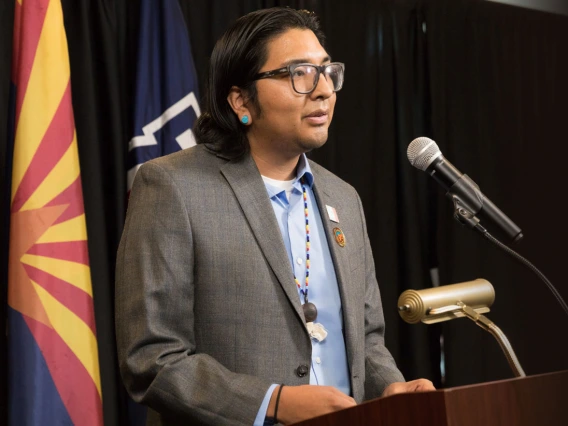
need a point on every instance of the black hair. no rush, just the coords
(236, 58)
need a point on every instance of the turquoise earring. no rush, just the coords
(245, 119)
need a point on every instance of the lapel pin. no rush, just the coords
(332, 214)
(339, 236)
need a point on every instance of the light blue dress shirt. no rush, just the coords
(329, 357)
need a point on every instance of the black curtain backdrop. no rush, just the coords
(499, 84)
(486, 81)
(6, 30)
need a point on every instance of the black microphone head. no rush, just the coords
(422, 152)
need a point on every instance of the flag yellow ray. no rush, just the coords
(70, 230)
(59, 178)
(74, 332)
(48, 80)
(74, 273)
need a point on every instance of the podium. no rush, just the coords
(528, 401)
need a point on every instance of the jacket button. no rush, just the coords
(302, 370)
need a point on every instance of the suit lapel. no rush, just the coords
(245, 180)
(324, 196)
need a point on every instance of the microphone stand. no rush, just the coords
(465, 217)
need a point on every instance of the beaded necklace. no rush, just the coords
(310, 310)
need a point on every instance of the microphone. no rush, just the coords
(438, 304)
(424, 154)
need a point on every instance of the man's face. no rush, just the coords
(292, 123)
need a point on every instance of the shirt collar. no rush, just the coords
(304, 170)
(275, 192)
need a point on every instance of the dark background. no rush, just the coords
(488, 82)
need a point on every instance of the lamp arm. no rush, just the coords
(490, 326)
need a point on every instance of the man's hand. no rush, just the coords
(304, 402)
(419, 385)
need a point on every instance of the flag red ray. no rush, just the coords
(75, 299)
(31, 16)
(26, 228)
(73, 196)
(55, 142)
(76, 388)
(74, 251)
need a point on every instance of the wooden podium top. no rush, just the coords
(528, 401)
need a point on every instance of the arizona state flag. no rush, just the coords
(53, 372)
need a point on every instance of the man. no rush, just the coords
(215, 323)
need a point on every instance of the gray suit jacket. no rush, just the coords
(207, 311)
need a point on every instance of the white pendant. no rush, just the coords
(316, 331)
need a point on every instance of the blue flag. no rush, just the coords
(165, 104)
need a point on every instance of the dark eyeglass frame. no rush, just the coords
(290, 69)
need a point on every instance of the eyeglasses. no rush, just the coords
(305, 77)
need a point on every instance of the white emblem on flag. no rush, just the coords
(185, 140)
